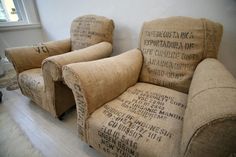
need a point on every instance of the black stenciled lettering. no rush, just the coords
(162, 34)
(79, 98)
(86, 29)
(190, 57)
(107, 113)
(161, 82)
(114, 111)
(171, 115)
(45, 49)
(113, 124)
(167, 54)
(164, 44)
(122, 131)
(169, 44)
(163, 73)
(29, 87)
(41, 48)
(37, 49)
(112, 142)
(107, 144)
(154, 136)
(170, 65)
(189, 46)
(129, 132)
(184, 35)
(174, 102)
(174, 75)
(169, 34)
(152, 129)
(146, 104)
(77, 87)
(148, 51)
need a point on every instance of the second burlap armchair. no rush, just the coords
(39, 68)
(169, 98)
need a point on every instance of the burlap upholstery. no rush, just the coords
(29, 57)
(98, 87)
(143, 117)
(94, 52)
(211, 112)
(31, 84)
(173, 47)
(89, 30)
(52, 94)
(119, 115)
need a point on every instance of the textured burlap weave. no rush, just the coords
(102, 81)
(31, 84)
(52, 73)
(89, 30)
(44, 61)
(173, 47)
(210, 118)
(120, 116)
(25, 58)
(54, 64)
(145, 121)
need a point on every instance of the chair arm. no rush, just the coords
(54, 64)
(211, 105)
(96, 82)
(103, 80)
(28, 57)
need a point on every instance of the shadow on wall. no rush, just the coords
(124, 36)
(226, 52)
(47, 35)
(3, 45)
(19, 37)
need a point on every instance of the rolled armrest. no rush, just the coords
(54, 64)
(96, 82)
(24, 58)
(210, 116)
(103, 80)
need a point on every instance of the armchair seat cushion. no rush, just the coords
(146, 120)
(32, 84)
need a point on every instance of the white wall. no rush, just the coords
(21, 37)
(56, 17)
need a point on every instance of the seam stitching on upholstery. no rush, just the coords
(212, 121)
(87, 115)
(210, 89)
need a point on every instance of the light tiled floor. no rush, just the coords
(54, 138)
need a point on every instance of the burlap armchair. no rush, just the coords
(39, 68)
(169, 98)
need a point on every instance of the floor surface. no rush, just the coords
(54, 138)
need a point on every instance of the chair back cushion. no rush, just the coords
(89, 30)
(172, 48)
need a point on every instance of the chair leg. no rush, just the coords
(0, 96)
(61, 117)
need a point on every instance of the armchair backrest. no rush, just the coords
(89, 30)
(173, 47)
